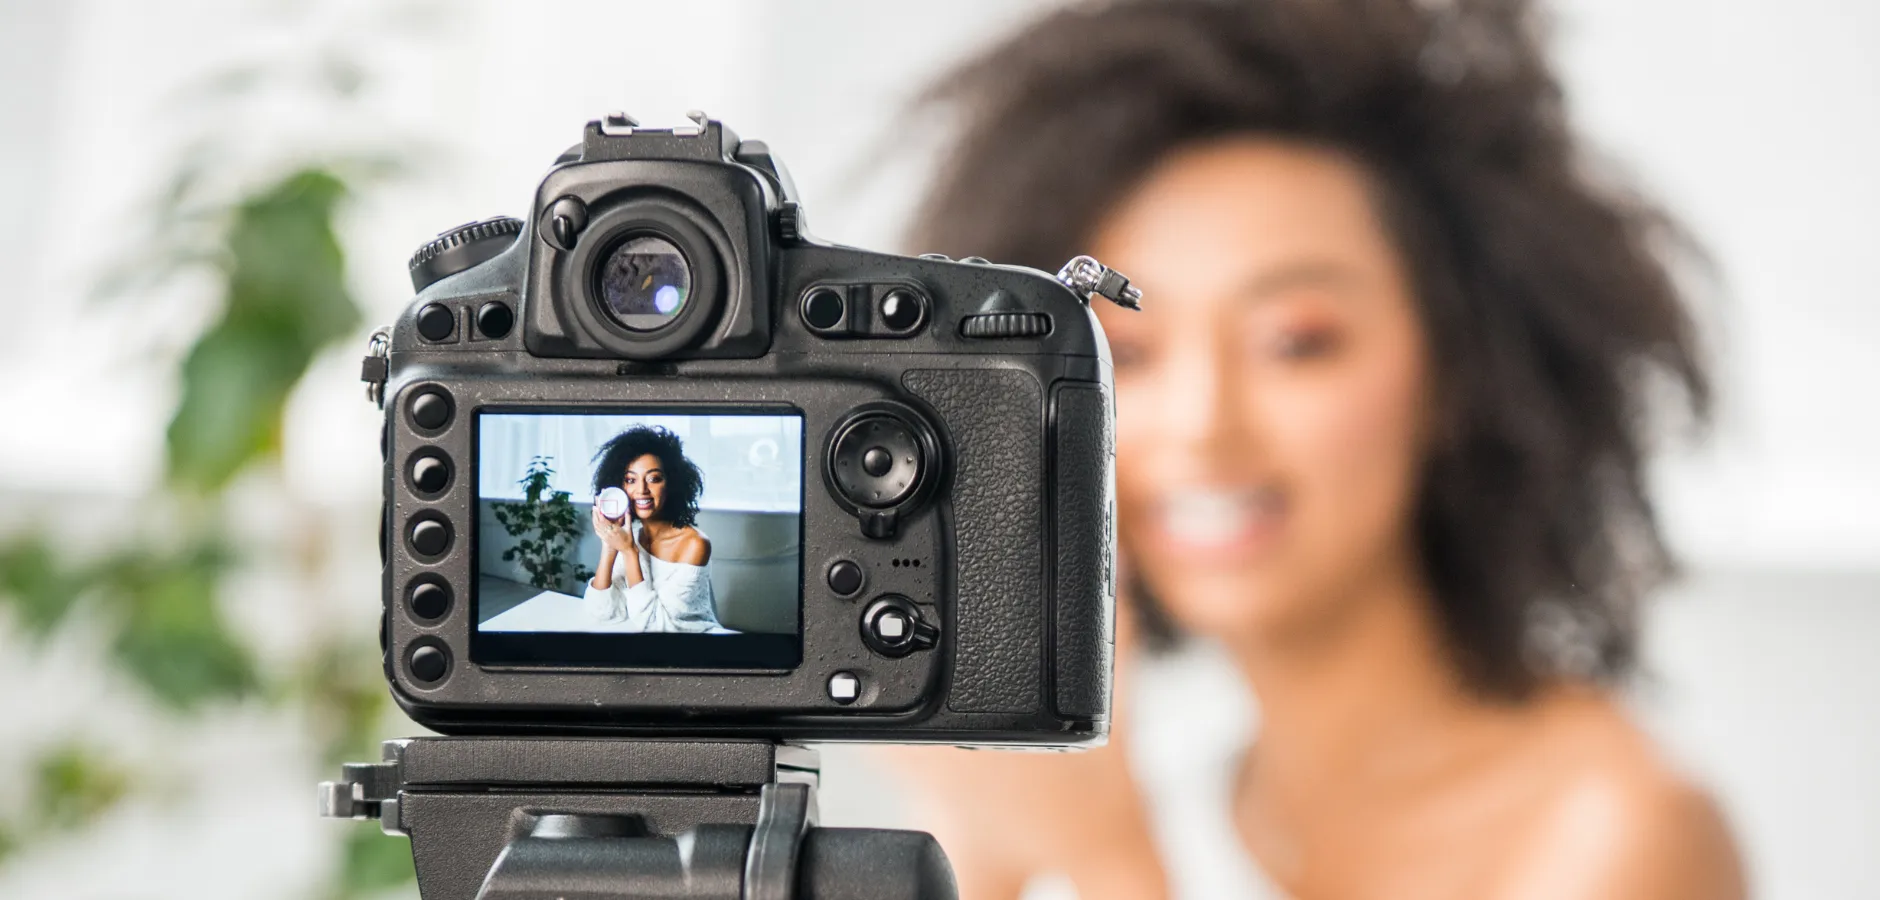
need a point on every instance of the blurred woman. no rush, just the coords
(652, 571)
(1380, 435)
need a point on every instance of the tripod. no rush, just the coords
(592, 818)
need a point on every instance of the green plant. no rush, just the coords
(545, 527)
(258, 234)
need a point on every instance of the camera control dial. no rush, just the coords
(460, 248)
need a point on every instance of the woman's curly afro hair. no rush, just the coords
(684, 481)
(1545, 293)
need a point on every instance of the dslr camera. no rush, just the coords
(658, 464)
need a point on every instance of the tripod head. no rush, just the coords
(573, 819)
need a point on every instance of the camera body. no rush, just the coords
(912, 460)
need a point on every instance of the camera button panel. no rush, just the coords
(429, 473)
(437, 323)
(430, 536)
(847, 311)
(846, 578)
(845, 687)
(429, 662)
(878, 461)
(428, 598)
(824, 308)
(431, 410)
(893, 627)
(495, 319)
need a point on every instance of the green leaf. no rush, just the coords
(39, 585)
(74, 786)
(286, 300)
(172, 636)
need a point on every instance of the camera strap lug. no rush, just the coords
(376, 367)
(1085, 276)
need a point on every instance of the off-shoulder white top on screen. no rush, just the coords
(672, 597)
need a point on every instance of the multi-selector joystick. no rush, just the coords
(883, 459)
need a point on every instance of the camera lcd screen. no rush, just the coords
(639, 538)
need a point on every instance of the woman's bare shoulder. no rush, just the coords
(1616, 819)
(695, 549)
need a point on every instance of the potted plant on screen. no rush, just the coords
(545, 528)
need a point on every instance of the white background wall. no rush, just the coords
(1760, 122)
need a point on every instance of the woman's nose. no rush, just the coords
(1196, 398)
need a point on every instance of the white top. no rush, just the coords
(672, 597)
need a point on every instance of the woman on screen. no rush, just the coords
(653, 577)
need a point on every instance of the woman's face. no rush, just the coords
(645, 485)
(1271, 395)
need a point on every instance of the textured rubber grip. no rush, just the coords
(996, 421)
(1084, 611)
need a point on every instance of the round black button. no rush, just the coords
(431, 410)
(823, 308)
(495, 318)
(436, 322)
(877, 461)
(845, 578)
(430, 473)
(900, 309)
(429, 663)
(430, 537)
(429, 600)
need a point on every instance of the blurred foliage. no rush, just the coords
(154, 584)
(72, 787)
(544, 524)
(285, 301)
(156, 594)
(156, 603)
(372, 862)
(75, 785)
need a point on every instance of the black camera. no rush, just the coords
(657, 463)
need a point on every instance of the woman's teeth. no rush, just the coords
(1219, 517)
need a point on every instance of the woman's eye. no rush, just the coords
(1303, 345)
(1128, 354)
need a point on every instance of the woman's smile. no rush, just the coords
(1219, 524)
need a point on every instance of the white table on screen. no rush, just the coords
(556, 611)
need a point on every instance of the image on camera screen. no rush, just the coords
(629, 539)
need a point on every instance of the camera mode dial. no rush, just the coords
(460, 248)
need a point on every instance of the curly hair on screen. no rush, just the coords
(684, 482)
(1546, 292)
